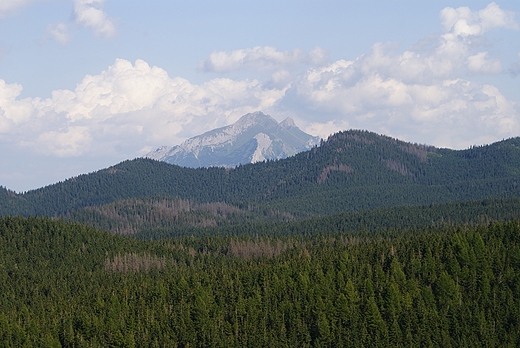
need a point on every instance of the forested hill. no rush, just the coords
(66, 285)
(352, 170)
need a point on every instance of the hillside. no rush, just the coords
(66, 285)
(351, 171)
(362, 241)
(170, 218)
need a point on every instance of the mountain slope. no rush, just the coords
(353, 170)
(253, 138)
(158, 218)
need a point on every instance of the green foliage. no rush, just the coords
(351, 171)
(363, 241)
(64, 284)
(155, 225)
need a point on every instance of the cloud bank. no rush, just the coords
(125, 106)
(421, 94)
(425, 93)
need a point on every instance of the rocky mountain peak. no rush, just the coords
(254, 137)
(255, 118)
(288, 123)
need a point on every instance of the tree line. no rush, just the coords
(351, 171)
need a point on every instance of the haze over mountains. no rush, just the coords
(255, 137)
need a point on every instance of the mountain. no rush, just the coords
(351, 171)
(255, 137)
(260, 245)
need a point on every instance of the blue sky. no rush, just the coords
(85, 84)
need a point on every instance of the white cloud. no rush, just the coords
(464, 22)
(87, 13)
(324, 130)
(59, 32)
(73, 141)
(480, 64)
(8, 7)
(493, 17)
(423, 95)
(124, 108)
(462, 30)
(13, 112)
(261, 58)
(450, 112)
(90, 14)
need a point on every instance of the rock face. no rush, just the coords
(253, 138)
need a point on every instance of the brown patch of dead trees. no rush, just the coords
(134, 263)
(324, 175)
(256, 248)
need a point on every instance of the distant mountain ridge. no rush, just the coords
(350, 171)
(255, 137)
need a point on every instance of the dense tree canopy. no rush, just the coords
(351, 171)
(68, 285)
(364, 241)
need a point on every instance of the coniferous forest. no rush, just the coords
(364, 241)
(65, 284)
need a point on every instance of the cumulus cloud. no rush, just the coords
(481, 64)
(73, 141)
(86, 13)
(423, 95)
(90, 14)
(326, 129)
(8, 7)
(124, 108)
(451, 112)
(464, 22)
(13, 112)
(419, 94)
(59, 32)
(261, 58)
(462, 29)
(454, 113)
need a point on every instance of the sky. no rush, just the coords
(86, 84)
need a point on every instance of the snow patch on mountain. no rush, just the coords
(264, 143)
